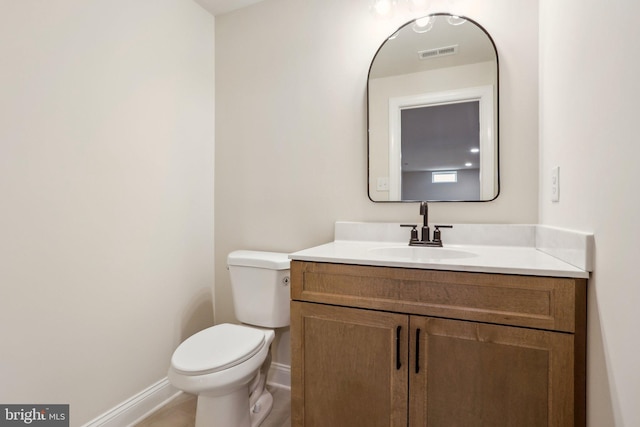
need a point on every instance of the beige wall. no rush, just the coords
(106, 185)
(291, 124)
(589, 115)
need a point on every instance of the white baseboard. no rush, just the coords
(159, 394)
(137, 407)
(279, 376)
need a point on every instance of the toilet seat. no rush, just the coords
(217, 348)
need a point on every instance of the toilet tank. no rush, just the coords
(260, 287)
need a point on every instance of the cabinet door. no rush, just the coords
(348, 367)
(475, 374)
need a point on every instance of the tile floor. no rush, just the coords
(181, 411)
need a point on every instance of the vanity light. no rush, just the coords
(422, 25)
(417, 4)
(456, 20)
(382, 7)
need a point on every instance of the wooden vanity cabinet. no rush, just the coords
(381, 346)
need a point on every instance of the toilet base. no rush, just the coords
(226, 410)
(261, 409)
(232, 409)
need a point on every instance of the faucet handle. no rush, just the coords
(436, 233)
(414, 230)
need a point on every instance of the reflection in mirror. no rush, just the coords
(433, 113)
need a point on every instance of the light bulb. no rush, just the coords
(382, 7)
(417, 4)
(424, 24)
(456, 20)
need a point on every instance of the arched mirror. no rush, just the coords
(433, 113)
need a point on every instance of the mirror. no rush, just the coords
(432, 99)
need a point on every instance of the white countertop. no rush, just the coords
(513, 258)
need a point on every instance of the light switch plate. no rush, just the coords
(555, 184)
(383, 184)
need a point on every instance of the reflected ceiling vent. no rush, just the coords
(440, 51)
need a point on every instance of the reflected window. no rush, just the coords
(444, 177)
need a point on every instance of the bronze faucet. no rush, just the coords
(425, 240)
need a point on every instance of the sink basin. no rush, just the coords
(420, 254)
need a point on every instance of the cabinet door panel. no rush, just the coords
(478, 374)
(344, 367)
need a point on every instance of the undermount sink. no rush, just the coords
(420, 254)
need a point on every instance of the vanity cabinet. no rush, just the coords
(384, 346)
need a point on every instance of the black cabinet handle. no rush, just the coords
(417, 350)
(398, 364)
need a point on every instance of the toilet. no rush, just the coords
(226, 365)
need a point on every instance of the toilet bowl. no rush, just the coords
(226, 365)
(221, 381)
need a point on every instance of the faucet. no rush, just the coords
(425, 240)
(424, 211)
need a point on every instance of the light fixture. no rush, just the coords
(386, 7)
(468, 164)
(456, 20)
(417, 4)
(424, 24)
(475, 150)
(382, 7)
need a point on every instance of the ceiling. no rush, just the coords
(218, 7)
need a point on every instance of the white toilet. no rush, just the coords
(226, 365)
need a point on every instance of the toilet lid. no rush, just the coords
(216, 348)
